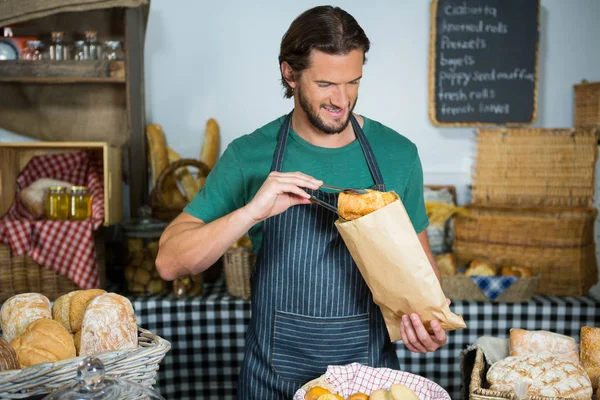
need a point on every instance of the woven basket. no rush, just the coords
(556, 243)
(555, 167)
(161, 209)
(462, 287)
(139, 366)
(237, 266)
(587, 104)
(20, 274)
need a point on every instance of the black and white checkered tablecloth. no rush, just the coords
(207, 337)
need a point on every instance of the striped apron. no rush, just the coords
(310, 306)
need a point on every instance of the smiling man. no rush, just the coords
(310, 306)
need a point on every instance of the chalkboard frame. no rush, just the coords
(432, 77)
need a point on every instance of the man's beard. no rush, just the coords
(317, 122)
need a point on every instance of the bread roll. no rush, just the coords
(21, 310)
(380, 394)
(550, 376)
(77, 341)
(78, 305)
(61, 310)
(480, 268)
(590, 353)
(8, 357)
(108, 324)
(513, 270)
(34, 196)
(44, 340)
(446, 263)
(401, 392)
(352, 206)
(358, 396)
(523, 342)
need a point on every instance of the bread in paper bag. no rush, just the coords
(389, 255)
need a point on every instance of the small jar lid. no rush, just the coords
(57, 189)
(79, 188)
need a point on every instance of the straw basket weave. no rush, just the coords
(587, 104)
(535, 167)
(462, 287)
(237, 266)
(557, 243)
(139, 366)
(20, 274)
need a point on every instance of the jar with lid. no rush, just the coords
(34, 50)
(57, 203)
(142, 234)
(113, 50)
(80, 50)
(92, 384)
(94, 48)
(80, 205)
(58, 48)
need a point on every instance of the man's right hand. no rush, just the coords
(280, 191)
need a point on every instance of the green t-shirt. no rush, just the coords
(246, 162)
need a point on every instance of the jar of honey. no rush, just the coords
(80, 207)
(57, 203)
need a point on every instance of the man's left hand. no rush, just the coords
(417, 339)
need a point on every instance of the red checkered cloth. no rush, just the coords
(65, 246)
(357, 378)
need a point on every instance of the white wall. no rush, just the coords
(219, 59)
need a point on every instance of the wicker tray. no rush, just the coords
(139, 366)
(237, 266)
(462, 287)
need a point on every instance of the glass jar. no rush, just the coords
(57, 203)
(34, 50)
(58, 49)
(80, 50)
(94, 48)
(113, 50)
(80, 205)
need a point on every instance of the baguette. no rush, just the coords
(210, 147)
(183, 176)
(157, 150)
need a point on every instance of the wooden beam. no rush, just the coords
(46, 71)
(137, 158)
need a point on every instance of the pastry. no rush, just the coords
(352, 206)
(358, 396)
(401, 392)
(480, 268)
(44, 340)
(523, 342)
(21, 310)
(446, 263)
(514, 270)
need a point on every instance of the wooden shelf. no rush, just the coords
(100, 71)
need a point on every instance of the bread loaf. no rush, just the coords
(78, 305)
(77, 341)
(8, 357)
(446, 263)
(34, 196)
(210, 147)
(590, 353)
(61, 310)
(44, 340)
(352, 206)
(513, 270)
(549, 376)
(523, 342)
(109, 324)
(21, 310)
(480, 268)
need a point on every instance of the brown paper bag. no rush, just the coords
(394, 265)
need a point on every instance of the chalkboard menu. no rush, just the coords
(483, 61)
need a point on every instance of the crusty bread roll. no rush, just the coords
(523, 342)
(44, 340)
(446, 263)
(352, 206)
(358, 396)
(8, 357)
(480, 268)
(20, 310)
(77, 341)
(108, 324)
(34, 196)
(61, 310)
(514, 270)
(401, 392)
(549, 376)
(78, 305)
(590, 353)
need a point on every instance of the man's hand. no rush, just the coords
(416, 338)
(280, 191)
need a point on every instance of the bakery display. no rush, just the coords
(524, 342)
(352, 206)
(20, 310)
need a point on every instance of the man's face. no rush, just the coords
(328, 90)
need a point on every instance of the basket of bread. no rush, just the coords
(539, 365)
(481, 280)
(42, 345)
(360, 382)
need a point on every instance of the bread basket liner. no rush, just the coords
(354, 378)
(138, 365)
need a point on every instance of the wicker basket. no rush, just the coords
(20, 274)
(587, 104)
(462, 287)
(161, 209)
(139, 366)
(555, 167)
(237, 266)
